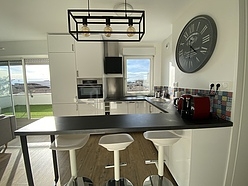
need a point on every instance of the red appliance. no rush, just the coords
(194, 107)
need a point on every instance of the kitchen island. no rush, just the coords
(109, 124)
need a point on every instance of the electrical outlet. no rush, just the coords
(175, 84)
(224, 85)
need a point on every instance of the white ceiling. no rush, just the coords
(33, 19)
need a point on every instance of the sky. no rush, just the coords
(34, 73)
(137, 69)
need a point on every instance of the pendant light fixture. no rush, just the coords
(107, 29)
(85, 27)
(106, 25)
(130, 29)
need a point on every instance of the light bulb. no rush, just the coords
(85, 29)
(107, 30)
(130, 31)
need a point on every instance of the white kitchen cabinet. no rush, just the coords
(141, 107)
(63, 77)
(118, 107)
(60, 43)
(131, 107)
(200, 157)
(87, 108)
(100, 107)
(89, 59)
(91, 107)
(66, 109)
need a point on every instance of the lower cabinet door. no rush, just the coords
(118, 107)
(65, 109)
(131, 107)
(87, 108)
(141, 107)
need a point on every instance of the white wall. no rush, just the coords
(23, 48)
(226, 64)
(238, 163)
(222, 64)
(37, 99)
(157, 57)
(166, 58)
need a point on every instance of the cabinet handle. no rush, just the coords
(77, 73)
(72, 47)
(76, 107)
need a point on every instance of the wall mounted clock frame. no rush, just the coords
(196, 43)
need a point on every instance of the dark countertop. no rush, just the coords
(119, 123)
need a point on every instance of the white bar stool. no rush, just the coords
(116, 142)
(71, 142)
(160, 138)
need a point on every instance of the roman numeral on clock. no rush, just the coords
(203, 29)
(206, 39)
(186, 35)
(203, 50)
(180, 52)
(192, 28)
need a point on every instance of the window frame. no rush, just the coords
(125, 58)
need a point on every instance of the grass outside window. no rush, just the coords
(37, 111)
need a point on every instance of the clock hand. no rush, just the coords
(192, 48)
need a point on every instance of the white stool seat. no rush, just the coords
(161, 138)
(114, 142)
(69, 142)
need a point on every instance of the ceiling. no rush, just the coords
(33, 19)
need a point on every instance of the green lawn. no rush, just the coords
(37, 111)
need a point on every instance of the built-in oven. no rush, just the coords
(89, 89)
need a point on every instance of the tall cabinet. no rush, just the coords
(70, 63)
(63, 74)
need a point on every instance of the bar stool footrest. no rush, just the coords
(112, 165)
(79, 181)
(152, 162)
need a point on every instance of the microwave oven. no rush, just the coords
(90, 91)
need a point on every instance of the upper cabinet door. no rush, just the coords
(60, 43)
(63, 77)
(89, 59)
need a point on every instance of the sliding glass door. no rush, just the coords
(18, 89)
(6, 102)
(39, 89)
(25, 88)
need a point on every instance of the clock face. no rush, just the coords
(196, 43)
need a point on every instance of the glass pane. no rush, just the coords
(138, 75)
(17, 81)
(39, 90)
(6, 106)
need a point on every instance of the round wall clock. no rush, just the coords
(196, 43)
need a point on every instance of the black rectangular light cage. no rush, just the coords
(97, 20)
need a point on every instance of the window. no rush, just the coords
(138, 75)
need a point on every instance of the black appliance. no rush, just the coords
(113, 65)
(89, 90)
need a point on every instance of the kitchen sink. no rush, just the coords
(160, 100)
